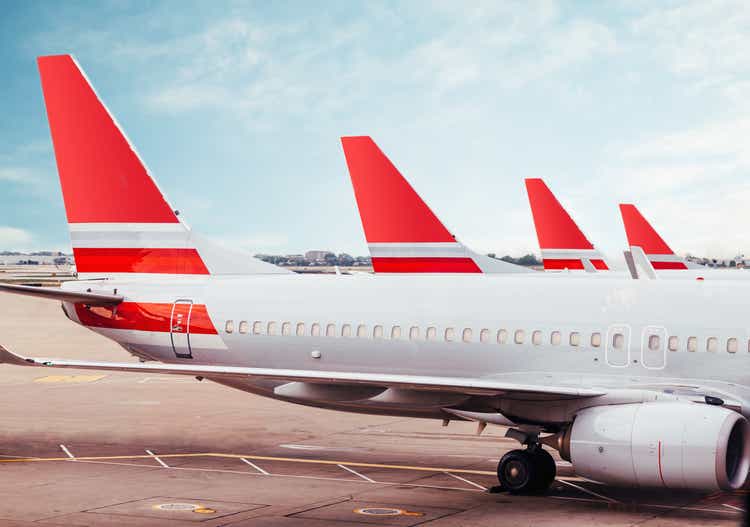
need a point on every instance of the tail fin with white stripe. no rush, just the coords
(120, 222)
(641, 234)
(563, 244)
(403, 234)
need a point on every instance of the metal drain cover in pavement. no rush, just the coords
(385, 511)
(177, 507)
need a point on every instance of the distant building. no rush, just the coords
(314, 256)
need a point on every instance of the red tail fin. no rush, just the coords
(563, 244)
(403, 234)
(97, 165)
(640, 233)
(119, 220)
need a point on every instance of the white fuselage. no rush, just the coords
(612, 333)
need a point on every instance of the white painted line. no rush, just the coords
(477, 485)
(67, 452)
(157, 459)
(356, 473)
(318, 478)
(733, 507)
(256, 467)
(587, 491)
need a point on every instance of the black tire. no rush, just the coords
(546, 469)
(517, 472)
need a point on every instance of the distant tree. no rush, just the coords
(528, 260)
(525, 260)
(331, 259)
(345, 259)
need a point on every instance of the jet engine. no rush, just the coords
(675, 445)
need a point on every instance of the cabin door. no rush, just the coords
(179, 328)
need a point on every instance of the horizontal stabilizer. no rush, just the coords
(473, 386)
(91, 299)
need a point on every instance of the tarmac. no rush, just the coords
(88, 448)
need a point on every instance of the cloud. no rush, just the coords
(285, 69)
(12, 237)
(21, 175)
(705, 42)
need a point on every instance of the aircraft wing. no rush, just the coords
(473, 386)
(91, 299)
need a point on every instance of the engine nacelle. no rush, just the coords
(662, 444)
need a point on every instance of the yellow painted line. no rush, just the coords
(359, 464)
(259, 458)
(69, 378)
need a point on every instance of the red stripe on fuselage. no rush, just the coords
(169, 261)
(675, 266)
(572, 264)
(145, 316)
(425, 265)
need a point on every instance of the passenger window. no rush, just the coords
(596, 340)
(257, 327)
(502, 336)
(519, 336)
(732, 345)
(431, 333)
(654, 342)
(362, 331)
(536, 337)
(692, 344)
(331, 330)
(229, 326)
(377, 332)
(618, 341)
(413, 333)
(555, 338)
(346, 330)
(484, 335)
(315, 329)
(712, 344)
(395, 332)
(467, 335)
(244, 326)
(300, 329)
(286, 328)
(450, 334)
(271, 328)
(575, 338)
(673, 343)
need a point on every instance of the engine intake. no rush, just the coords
(673, 445)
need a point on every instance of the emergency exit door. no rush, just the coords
(179, 328)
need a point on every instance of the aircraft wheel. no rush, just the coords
(517, 472)
(546, 469)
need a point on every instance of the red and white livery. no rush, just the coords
(563, 244)
(599, 369)
(641, 234)
(402, 232)
(100, 173)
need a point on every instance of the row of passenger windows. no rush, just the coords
(414, 333)
(501, 336)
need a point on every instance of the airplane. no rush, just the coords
(637, 383)
(403, 234)
(563, 244)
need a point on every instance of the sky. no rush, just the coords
(237, 109)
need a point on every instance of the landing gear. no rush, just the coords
(526, 471)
